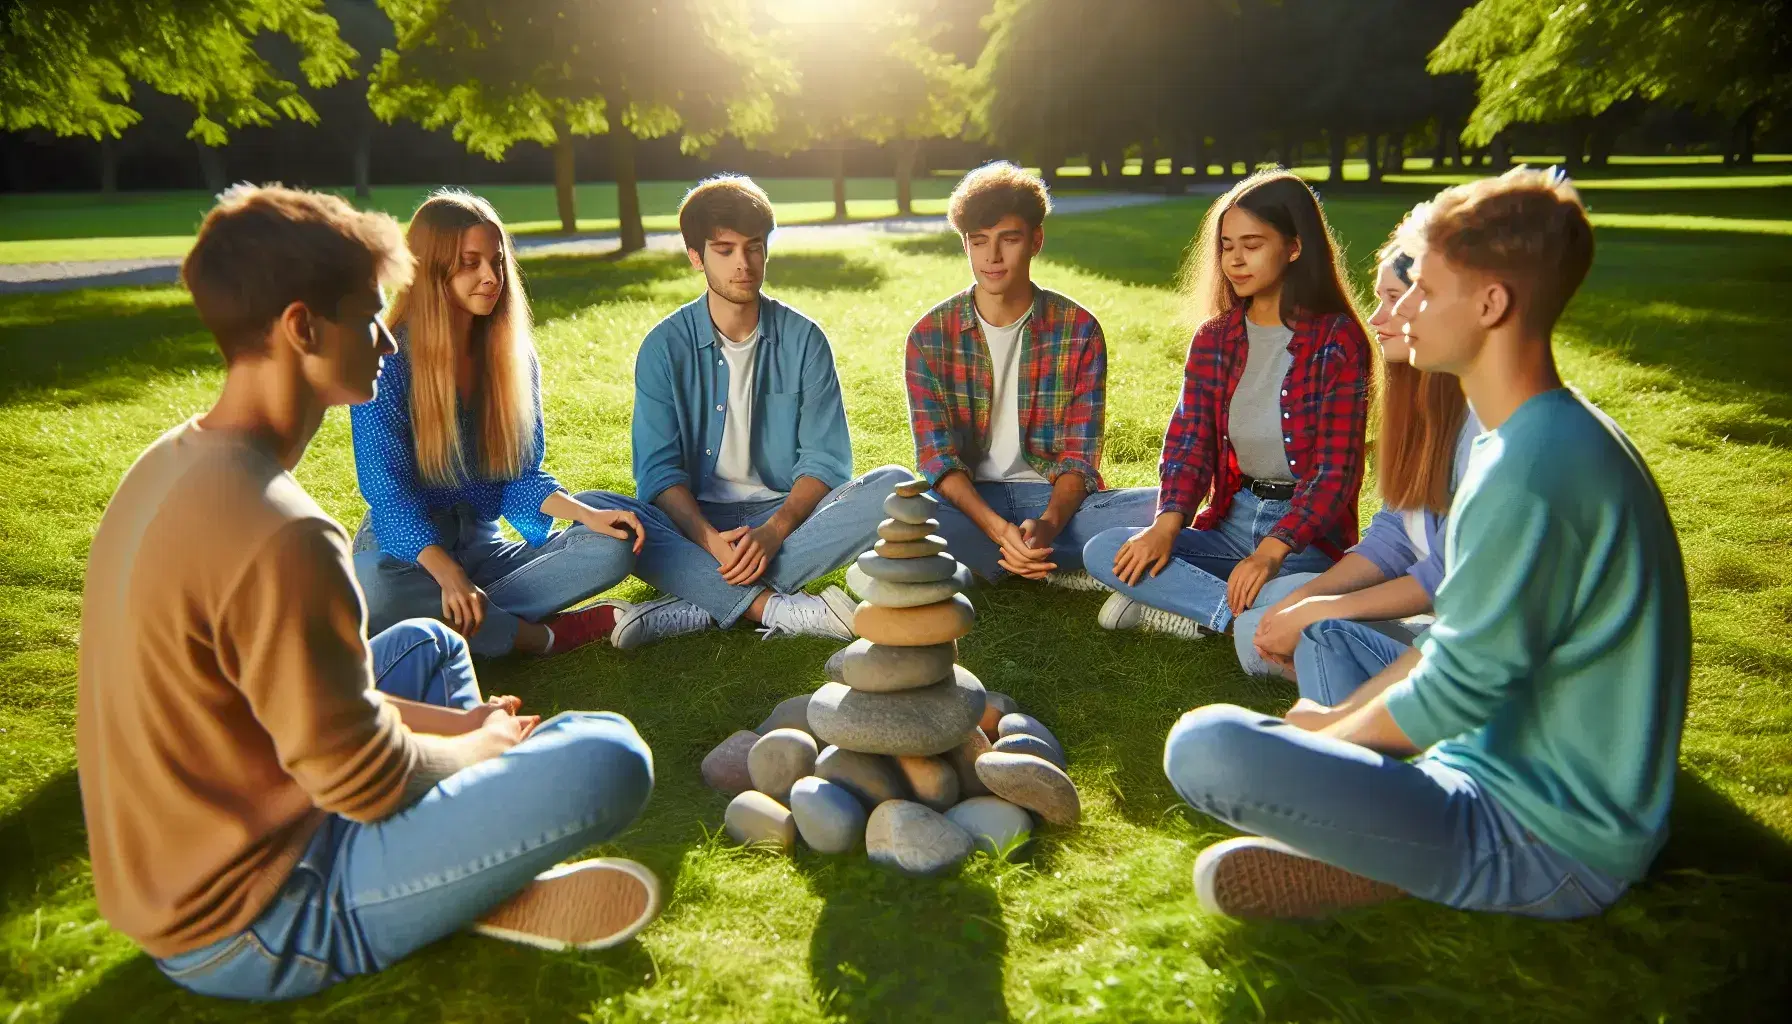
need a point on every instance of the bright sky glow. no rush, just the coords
(799, 12)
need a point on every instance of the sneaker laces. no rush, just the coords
(800, 615)
(677, 617)
(1156, 620)
(1076, 579)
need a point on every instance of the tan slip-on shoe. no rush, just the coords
(588, 904)
(1256, 877)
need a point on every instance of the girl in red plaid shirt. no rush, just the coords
(1268, 431)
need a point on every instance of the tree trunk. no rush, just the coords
(1577, 149)
(906, 152)
(1198, 155)
(211, 168)
(628, 190)
(1339, 143)
(1372, 153)
(1148, 165)
(1113, 169)
(1049, 160)
(363, 159)
(108, 167)
(1742, 136)
(1502, 153)
(1396, 162)
(565, 176)
(1440, 152)
(840, 182)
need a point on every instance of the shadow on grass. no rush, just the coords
(823, 271)
(892, 948)
(97, 346)
(41, 840)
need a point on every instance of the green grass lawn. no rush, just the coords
(1680, 334)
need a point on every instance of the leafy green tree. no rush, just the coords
(499, 72)
(70, 66)
(1538, 61)
(871, 74)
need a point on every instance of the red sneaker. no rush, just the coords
(590, 624)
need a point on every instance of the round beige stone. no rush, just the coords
(914, 839)
(916, 627)
(753, 818)
(910, 488)
(911, 509)
(896, 529)
(932, 780)
(930, 545)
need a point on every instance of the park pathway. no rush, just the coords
(65, 276)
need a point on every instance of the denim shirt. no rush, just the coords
(681, 403)
(1390, 546)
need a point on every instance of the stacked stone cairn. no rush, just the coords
(903, 750)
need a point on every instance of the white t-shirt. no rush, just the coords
(735, 479)
(1005, 462)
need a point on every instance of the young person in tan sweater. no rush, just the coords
(275, 803)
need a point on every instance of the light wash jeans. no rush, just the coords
(841, 528)
(363, 897)
(1017, 503)
(525, 584)
(1403, 632)
(1422, 826)
(1194, 583)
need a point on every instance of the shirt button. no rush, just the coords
(709, 451)
(1287, 440)
(719, 408)
(1284, 415)
(719, 362)
(1284, 392)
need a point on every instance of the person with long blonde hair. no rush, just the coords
(1335, 630)
(1268, 431)
(454, 442)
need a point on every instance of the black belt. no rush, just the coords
(1268, 490)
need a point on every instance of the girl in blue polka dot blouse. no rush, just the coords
(454, 440)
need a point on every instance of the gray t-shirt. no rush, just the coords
(1254, 419)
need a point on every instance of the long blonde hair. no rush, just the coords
(502, 350)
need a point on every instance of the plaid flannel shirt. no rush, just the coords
(1325, 407)
(1063, 380)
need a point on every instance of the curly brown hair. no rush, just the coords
(996, 190)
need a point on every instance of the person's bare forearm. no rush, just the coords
(1351, 573)
(1364, 718)
(440, 565)
(957, 488)
(680, 504)
(1068, 492)
(562, 505)
(1394, 599)
(798, 505)
(439, 757)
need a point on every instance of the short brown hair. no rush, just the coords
(993, 191)
(1526, 227)
(264, 247)
(732, 201)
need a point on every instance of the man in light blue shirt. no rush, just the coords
(743, 464)
(1546, 703)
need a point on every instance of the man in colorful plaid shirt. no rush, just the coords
(1006, 390)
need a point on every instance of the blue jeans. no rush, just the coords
(1017, 503)
(842, 527)
(364, 896)
(524, 584)
(1336, 656)
(1422, 826)
(1194, 583)
(1315, 643)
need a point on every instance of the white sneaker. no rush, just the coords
(656, 620)
(1076, 580)
(826, 614)
(1122, 612)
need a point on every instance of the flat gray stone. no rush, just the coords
(1032, 782)
(1025, 743)
(829, 818)
(932, 779)
(929, 720)
(995, 824)
(876, 668)
(781, 757)
(891, 594)
(873, 778)
(928, 569)
(753, 817)
(964, 762)
(916, 508)
(897, 530)
(1015, 722)
(725, 767)
(791, 713)
(914, 839)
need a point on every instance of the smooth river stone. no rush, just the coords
(873, 778)
(1025, 743)
(994, 823)
(929, 545)
(927, 569)
(929, 720)
(725, 767)
(1032, 782)
(896, 529)
(879, 669)
(890, 594)
(914, 839)
(754, 817)
(994, 707)
(910, 488)
(916, 627)
(932, 779)
(791, 713)
(829, 817)
(964, 762)
(915, 509)
(781, 757)
(1015, 722)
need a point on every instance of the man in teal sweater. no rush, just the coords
(1546, 704)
